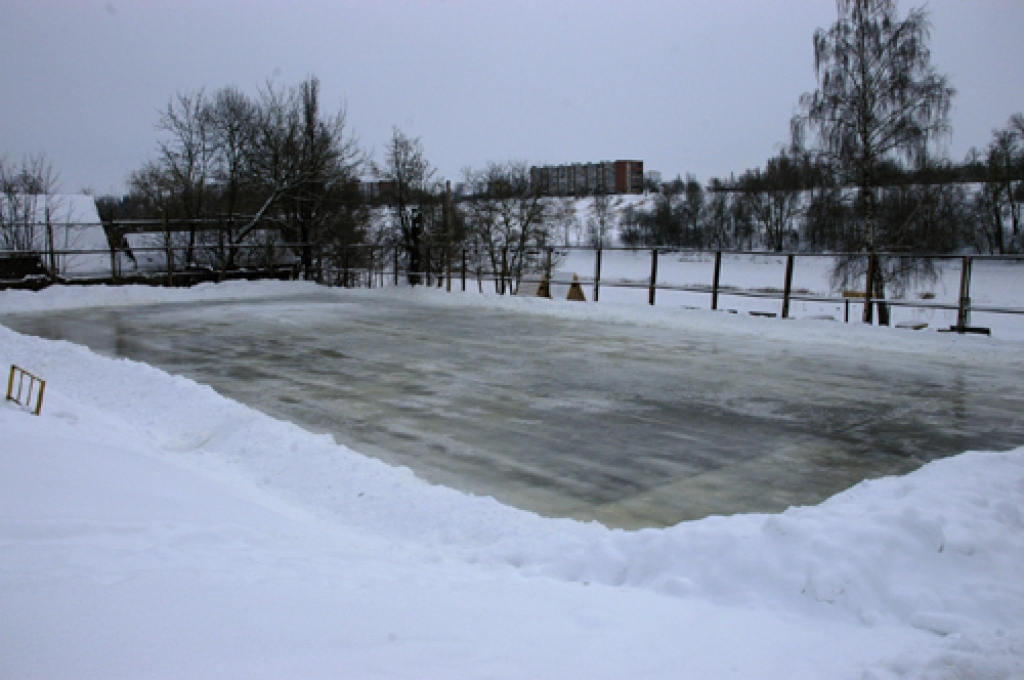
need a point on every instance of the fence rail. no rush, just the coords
(378, 266)
(177, 264)
(507, 278)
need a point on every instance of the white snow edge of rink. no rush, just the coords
(807, 329)
(932, 561)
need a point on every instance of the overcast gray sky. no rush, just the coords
(701, 86)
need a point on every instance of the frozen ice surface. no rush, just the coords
(629, 425)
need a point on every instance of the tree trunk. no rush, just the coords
(879, 287)
(189, 253)
(997, 221)
(415, 263)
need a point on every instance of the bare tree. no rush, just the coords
(186, 155)
(604, 218)
(692, 212)
(664, 223)
(411, 188)
(565, 220)
(719, 218)
(510, 216)
(878, 100)
(232, 117)
(175, 186)
(278, 157)
(24, 206)
(774, 200)
(320, 161)
(1003, 191)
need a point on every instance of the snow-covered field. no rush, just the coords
(152, 528)
(994, 283)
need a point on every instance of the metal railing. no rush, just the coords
(507, 275)
(177, 264)
(375, 265)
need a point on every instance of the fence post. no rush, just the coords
(429, 271)
(963, 314)
(654, 275)
(788, 288)
(716, 279)
(547, 267)
(597, 274)
(318, 258)
(869, 316)
(222, 248)
(448, 269)
(49, 242)
(369, 269)
(396, 265)
(479, 271)
(463, 270)
(504, 267)
(269, 257)
(169, 251)
(113, 253)
(448, 233)
(39, 397)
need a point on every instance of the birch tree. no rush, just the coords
(878, 100)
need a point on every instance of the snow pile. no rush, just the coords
(139, 497)
(79, 297)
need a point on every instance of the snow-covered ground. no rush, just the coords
(152, 528)
(994, 284)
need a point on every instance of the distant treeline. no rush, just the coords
(807, 175)
(800, 202)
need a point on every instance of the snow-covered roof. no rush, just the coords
(62, 208)
(75, 224)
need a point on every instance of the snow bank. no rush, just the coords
(119, 563)
(79, 297)
(937, 555)
(805, 330)
(809, 330)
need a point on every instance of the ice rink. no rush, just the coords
(631, 425)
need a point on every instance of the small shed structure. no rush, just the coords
(64, 229)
